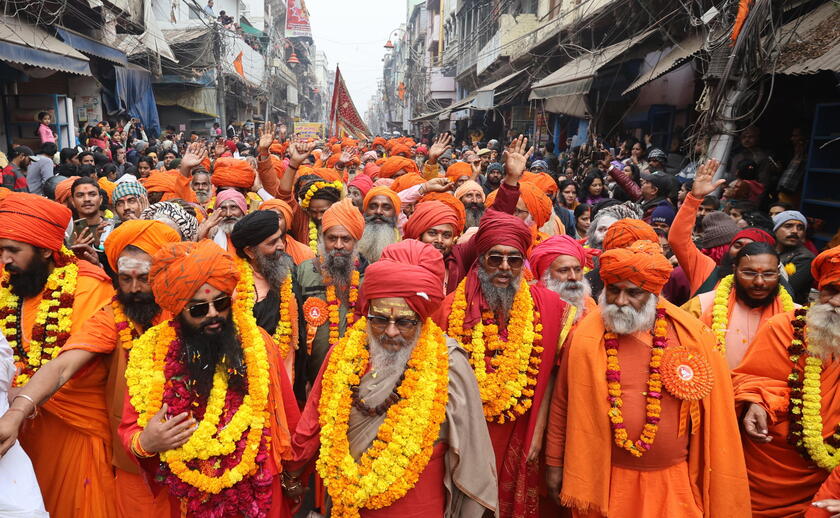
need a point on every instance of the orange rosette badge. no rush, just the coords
(686, 375)
(315, 312)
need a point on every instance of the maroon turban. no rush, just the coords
(499, 228)
(409, 269)
(756, 234)
(546, 252)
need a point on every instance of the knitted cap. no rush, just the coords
(718, 229)
(128, 189)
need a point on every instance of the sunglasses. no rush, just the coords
(404, 325)
(201, 310)
(496, 260)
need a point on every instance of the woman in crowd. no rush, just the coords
(593, 189)
(568, 194)
(582, 221)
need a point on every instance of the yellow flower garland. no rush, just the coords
(145, 381)
(246, 290)
(125, 327)
(506, 392)
(313, 237)
(315, 187)
(404, 443)
(720, 310)
(62, 283)
(824, 455)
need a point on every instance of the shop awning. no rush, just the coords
(811, 43)
(198, 100)
(485, 96)
(678, 55)
(26, 44)
(247, 28)
(89, 46)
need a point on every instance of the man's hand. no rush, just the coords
(266, 138)
(196, 152)
(515, 158)
(219, 148)
(704, 180)
(832, 506)
(209, 224)
(755, 424)
(86, 252)
(85, 237)
(441, 184)
(554, 481)
(163, 434)
(347, 155)
(439, 147)
(9, 429)
(298, 152)
(475, 163)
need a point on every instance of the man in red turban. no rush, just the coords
(558, 263)
(358, 188)
(101, 343)
(495, 301)
(642, 421)
(786, 468)
(438, 224)
(445, 465)
(211, 337)
(69, 441)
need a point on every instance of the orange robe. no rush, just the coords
(70, 442)
(696, 265)
(782, 482)
(100, 336)
(695, 471)
(829, 490)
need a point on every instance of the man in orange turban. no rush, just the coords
(62, 190)
(294, 248)
(407, 180)
(402, 150)
(69, 441)
(396, 166)
(686, 462)
(161, 186)
(233, 172)
(471, 194)
(785, 468)
(382, 209)
(459, 172)
(210, 336)
(129, 249)
(625, 232)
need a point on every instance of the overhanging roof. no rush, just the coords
(26, 44)
(89, 46)
(811, 43)
(679, 54)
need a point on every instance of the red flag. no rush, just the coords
(237, 65)
(343, 113)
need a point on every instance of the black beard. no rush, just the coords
(31, 281)
(141, 308)
(274, 267)
(744, 297)
(203, 351)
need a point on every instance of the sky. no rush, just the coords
(353, 33)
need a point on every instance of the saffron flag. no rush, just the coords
(237, 65)
(344, 118)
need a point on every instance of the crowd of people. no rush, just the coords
(263, 326)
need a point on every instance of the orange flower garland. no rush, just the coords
(126, 330)
(285, 326)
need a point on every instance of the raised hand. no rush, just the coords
(219, 148)
(347, 155)
(195, 154)
(704, 180)
(298, 152)
(515, 159)
(266, 138)
(441, 184)
(439, 147)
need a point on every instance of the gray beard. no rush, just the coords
(822, 331)
(572, 292)
(338, 267)
(626, 320)
(474, 213)
(274, 267)
(376, 237)
(226, 225)
(500, 300)
(202, 196)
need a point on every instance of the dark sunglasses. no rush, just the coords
(404, 325)
(495, 260)
(201, 310)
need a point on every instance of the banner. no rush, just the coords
(344, 118)
(309, 130)
(297, 19)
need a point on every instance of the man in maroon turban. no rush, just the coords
(447, 471)
(496, 316)
(558, 264)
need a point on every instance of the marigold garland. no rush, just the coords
(508, 379)
(313, 237)
(315, 187)
(720, 309)
(53, 318)
(126, 330)
(804, 410)
(403, 446)
(653, 397)
(285, 326)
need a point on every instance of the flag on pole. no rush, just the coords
(344, 118)
(237, 65)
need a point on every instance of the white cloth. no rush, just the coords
(20, 495)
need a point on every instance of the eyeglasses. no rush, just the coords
(496, 260)
(536, 169)
(404, 325)
(765, 276)
(201, 310)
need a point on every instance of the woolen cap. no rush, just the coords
(718, 229)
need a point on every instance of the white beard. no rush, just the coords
(388, 363)
(822, 331)
(626, 320)
(374, 240)
(572, 292)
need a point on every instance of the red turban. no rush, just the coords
(427, 215)
(33, 219)
(345, 214)
(407, 180)
(410, 270)
(147, 235)
(625, 232)
(539, 205)
(179, 269)
(232, 172)
(162, 181)
(453, 202)
(396, 163)
(642, 263)
(455, 171)
(62, 189)
(362, 182)
(383, 191)
(400, 149)
(756, 235)
(372, 170)
(825, 268)
(546, 252)
(542, 180)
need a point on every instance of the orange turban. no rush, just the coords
(108, 186)
(539, 205)
(642, 263)
(179, 269)
(407, 180)
(147, 235)
(345, 214)
(4, 192)
(383, 191)
(205, 163)
(457, 170)
(469, 186)
(453, 202)
(333, 160)
(625, 232)
(279, 206)
(232, 172)
(328, 174)
(277, 148)
(825, 268)
(162, 181)
(542, 180)
(398, 149)
(33, 219)
(62, 189)
(427, 215)
(396, 163)
(379, 141)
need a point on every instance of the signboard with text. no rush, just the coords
(313, 130)
(297, 20)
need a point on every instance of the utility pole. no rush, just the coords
(218, 45)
